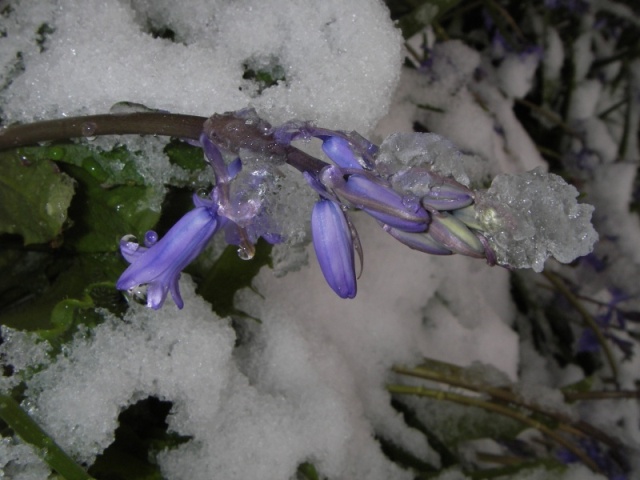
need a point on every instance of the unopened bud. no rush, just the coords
(453, 234)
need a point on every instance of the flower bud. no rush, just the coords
(333, 244)
(453, 234)
(422, 242)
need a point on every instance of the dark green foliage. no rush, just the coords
(142, 434)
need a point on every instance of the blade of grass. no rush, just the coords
(495, 408)
(45, 447)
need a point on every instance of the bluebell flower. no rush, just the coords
(362, 190)
(158, 265)
(334, 247)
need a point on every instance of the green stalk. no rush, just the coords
(455, 376)
(495, 408)
(30, 432)
(588, 320)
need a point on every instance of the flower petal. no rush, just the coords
(334, 247)
(131, 249)
(160, 265)
(340, 152)
(384, 204)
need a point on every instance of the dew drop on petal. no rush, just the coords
(150, 238)
(139, 294)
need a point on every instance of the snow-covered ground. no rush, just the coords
(310, 384)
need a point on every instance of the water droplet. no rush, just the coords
(95, 169)
(139, 294)
(56, 153)
(150, 238)
(88, 129)
(246, 251)
(130, 242)
(411, 202)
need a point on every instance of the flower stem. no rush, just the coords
(495, 408)
(455, 376)
(30, 432)
(140, 123)
(587, 318)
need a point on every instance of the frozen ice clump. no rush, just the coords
(402, 150)
(271, 199)
(532, 216)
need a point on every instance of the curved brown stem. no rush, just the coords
(145, 123)
(142, 123)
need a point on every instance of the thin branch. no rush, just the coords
(502, 394)
(600, 395)
(495, 408)
(549, 115)
(588, 320)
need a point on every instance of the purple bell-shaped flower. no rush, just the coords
(158, 265)
(334, 247)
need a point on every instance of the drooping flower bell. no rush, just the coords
(157, 265)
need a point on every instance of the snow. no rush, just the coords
(340, 64)
(402, 150)
(452, 84)
(308, 383)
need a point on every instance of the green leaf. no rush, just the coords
(229, 274)
(142, 434)
(455, 424)
(414, 15)
(187, 157)
(77, 287)
(111, 198)
(34, 198)
(307, 471)
(113, 167)
(102, 216)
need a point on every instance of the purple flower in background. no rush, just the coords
(334, 247)
(158, 265)
(588, 341)
(575, 6)
(612, 463)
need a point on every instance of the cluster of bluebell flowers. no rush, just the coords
(436, 222)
